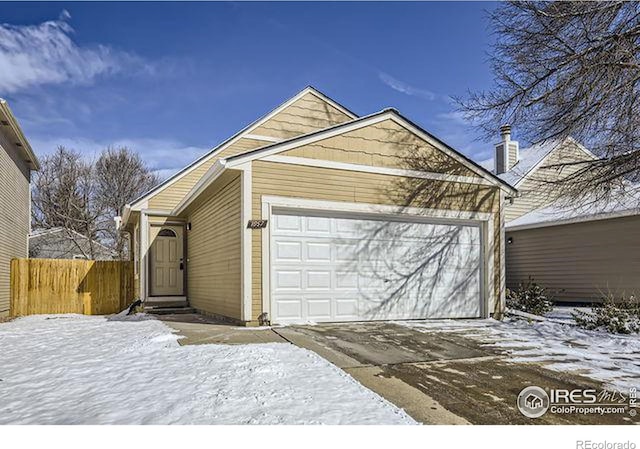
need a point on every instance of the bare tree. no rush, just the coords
(120, 176)
(63, 196)
(84, 198)
(568, 69)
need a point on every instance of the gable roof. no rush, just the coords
(244, 132)
(6, 116)
(534, 157)
(386, 114)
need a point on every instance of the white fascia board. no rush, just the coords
(207, 179)
(375, 169)
(240, 135)
(565, 221)
(261, 137)
(126, 213)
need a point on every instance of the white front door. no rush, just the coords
(167, 261)
(355, 268)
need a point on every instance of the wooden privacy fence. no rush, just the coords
(87, 287)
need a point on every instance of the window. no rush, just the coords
(166, 233)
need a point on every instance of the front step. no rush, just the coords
(166, 306)
(166, 303)
(168, 310)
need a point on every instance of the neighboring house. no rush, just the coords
(579, 252)
(61, 243)
(298, 218)
(16, 163)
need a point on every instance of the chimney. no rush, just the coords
(507, 151)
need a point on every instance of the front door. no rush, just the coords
(167, 264)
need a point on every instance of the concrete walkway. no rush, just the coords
(200, 330)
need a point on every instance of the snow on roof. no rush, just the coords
(621, 204)
(529, 159)
(43, 231)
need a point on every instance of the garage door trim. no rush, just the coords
(357, 210)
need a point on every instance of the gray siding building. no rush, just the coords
(16, 163)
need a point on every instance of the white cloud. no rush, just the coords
(405, 88)
(164, 157)
(33, 55)
(457, 117)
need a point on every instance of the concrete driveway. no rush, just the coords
(439, 377)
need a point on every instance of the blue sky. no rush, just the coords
(171, 80)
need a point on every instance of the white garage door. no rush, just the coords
(350, 268)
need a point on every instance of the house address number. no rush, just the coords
(257, 224)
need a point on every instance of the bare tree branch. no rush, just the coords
(568, 69)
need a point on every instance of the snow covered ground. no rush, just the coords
(613, 359)
(73, 369)
(564, 313)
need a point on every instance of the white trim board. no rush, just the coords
(567, 221)
(260, 137)
(239, 135)
(246, 243)
(484, 219)
(309, 162)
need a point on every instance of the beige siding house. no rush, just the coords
(313, 214)
(581, 252)
(16, 163)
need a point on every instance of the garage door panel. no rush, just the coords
(287, 223)
(289, 310)
(318, 251)
(345, 269)
(346, 309)
(346, 280)
(287, 280)
(287, 251)
(319, 225)
(318, 308)
(318, 280)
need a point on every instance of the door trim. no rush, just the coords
(483, 219)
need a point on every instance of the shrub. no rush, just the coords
(617, 317)
(530, 297)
